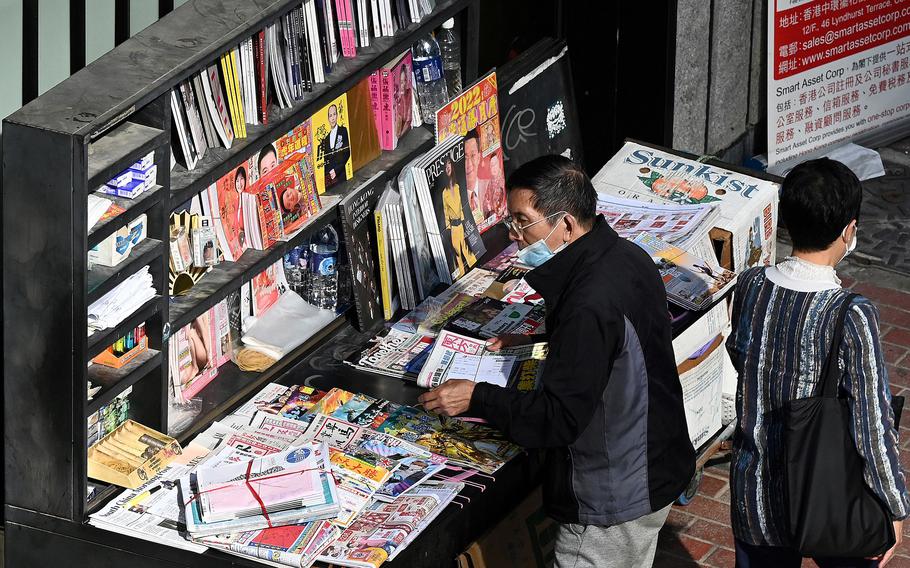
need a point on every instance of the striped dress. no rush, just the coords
(779, 343)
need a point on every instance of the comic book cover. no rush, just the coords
(332, 401)
(300, 402)
(474, 115)
(332, 144)
(466, 443)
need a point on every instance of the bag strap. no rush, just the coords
(830, 376)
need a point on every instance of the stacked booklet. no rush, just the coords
(290, 487)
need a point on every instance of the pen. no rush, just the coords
(141, 497)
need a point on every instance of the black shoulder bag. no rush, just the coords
(832, 512)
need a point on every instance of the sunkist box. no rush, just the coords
(746, 229)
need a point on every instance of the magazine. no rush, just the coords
(379, 531)
(290, 545)
(440, 177)
(332, 144)
(690, 281)
(464, 443)
(474, 115)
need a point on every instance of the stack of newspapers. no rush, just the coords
(297, 475)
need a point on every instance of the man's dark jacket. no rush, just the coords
(609, 409)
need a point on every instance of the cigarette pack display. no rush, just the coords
(131, 455)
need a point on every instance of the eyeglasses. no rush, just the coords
(514, 227)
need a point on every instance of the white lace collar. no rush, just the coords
(802, 275)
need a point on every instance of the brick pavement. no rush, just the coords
(699, 534)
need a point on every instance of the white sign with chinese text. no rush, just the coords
(837, 70)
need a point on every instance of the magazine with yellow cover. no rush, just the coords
(332, 142)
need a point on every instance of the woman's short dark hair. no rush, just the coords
(558, 184)
(817, 200)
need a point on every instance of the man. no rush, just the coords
(609, 409)
(476, 186)
(335, 149)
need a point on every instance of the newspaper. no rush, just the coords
(675, 223)
(457, 356)
(294, 545)
(702, 387)
(690, 281)
(151, 512)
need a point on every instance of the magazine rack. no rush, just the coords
(58, 149)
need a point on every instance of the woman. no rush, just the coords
(783, 322)
(455, 220)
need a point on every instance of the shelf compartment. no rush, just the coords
(102, 279)
(103, 494)
(346, 74)
(134, 208)
(119, 149)
(233, 386)
(115, 381)
(101, 340)
(223, 279)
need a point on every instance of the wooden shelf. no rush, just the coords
(233, 386)
(115, 381)
(102, 279)
(228, 276)
(101, 340)
(345, 75)
(119, 149)
(134, 208)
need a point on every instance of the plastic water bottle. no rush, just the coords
(323, 277)
(431, 84)
(450, 46)
(292, 270)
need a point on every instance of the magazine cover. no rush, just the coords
(379, 531)
(225, 201)
(395, 100)
(291, 182)
(197, 363)
(425, 272)
(465, 442)
(365, 145)
(265, 289)
(356, 211)
(690, 281)
(446, 209)
(296, 141)
(474, 114)
(333, 144)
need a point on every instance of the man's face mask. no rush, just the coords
(539, 252)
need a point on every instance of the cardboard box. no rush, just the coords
(526, 538)
(114, 249)
(746, 230)
(131, 455)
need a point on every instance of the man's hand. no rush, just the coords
(509, 340)
(332, 174)
(450, 398)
